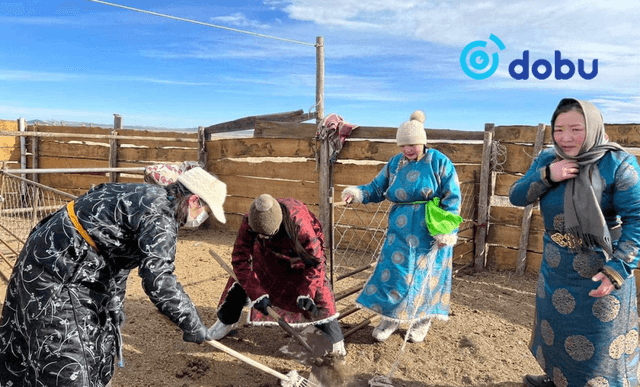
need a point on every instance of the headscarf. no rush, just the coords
(583, 215)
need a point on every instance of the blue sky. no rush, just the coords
(78, 60)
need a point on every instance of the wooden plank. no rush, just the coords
(35, 161)
(504, 181)
(512, 216)
(368, 150)
(354, 174)
(460, 153)
(502, 258)
(240, 205)
(113, 151)
(526, 216)
(508, 236)
(66, 182)
(294, 170)
(158, 133)
(270, 129)
(466, 234)
(156, 155)
(69, 129)
(483, 199)
(249, 187)
(81, 134)
(463, 249)
(107, 131)
(624, 134)
(234, 221)
(127, 156)
(467, 172)
(520, 134)
(48, 162)
(252, 122)
(9, 146)
(266, 129)
(54, 148)
(519, 158)
(202, 148)
(383, 151)
(146, 155)
(259, 147)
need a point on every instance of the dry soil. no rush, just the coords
(484, 343)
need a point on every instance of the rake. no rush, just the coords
(291, 379)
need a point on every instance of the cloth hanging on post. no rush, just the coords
(336, 129)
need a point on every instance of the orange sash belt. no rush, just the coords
(76, 223)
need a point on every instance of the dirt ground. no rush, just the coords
(484, 343)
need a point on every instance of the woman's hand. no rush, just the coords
(348, 199)
(563, 170)
(605, 288)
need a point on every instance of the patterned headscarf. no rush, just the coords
(165, 174)
(583, 215)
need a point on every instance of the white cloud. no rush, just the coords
(619, 110)
(38, 76)
(239, 19)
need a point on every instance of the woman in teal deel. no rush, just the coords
(412, 279)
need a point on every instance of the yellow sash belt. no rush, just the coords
(76, 223)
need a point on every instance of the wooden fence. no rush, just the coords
(280, 160)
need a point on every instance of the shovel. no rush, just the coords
(272, 313)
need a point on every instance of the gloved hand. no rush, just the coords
(261, 306)
(306, 303)
(198, 336)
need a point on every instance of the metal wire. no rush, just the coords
(201, 23)
(22, 205)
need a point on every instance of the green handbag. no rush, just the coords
(438, 220)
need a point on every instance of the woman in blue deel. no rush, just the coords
(586, 321)
(412, 279)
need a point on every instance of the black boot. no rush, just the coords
(538, 381)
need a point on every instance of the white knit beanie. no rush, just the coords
(412, 132)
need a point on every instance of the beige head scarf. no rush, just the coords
(583, 215)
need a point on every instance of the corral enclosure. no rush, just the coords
(280, 159)
(484, 343)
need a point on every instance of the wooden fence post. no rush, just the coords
(113, 147)
(483, 199)
(325, 169)
(202, 147)
(22, 127)
(35, 164)
(526, 216)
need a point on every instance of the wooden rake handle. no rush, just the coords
(272, 313)
(248, 360)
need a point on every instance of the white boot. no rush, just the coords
(220, 330)
(385, 329)
(338, 348)
(419, 331)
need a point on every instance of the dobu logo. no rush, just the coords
(547, 68)
(479, 60)
(484, 66)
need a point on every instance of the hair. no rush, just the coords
(181, 195)
(566, 105)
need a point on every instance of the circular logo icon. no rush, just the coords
(483, 64)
